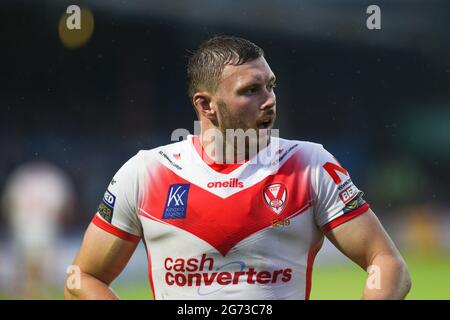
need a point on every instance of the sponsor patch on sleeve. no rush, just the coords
(355, 203)
(348, 193)
(106, 207)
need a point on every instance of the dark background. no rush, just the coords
(379, 100)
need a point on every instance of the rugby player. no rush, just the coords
(217, 229)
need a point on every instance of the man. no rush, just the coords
(243, 230)
(38, 197)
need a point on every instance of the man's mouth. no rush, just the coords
(265, 123)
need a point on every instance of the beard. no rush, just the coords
(228, 120)
(241, 141)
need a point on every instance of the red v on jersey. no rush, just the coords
(223, 223)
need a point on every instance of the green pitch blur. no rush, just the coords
(431, 280)
(430, 275)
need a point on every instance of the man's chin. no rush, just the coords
(264, 132)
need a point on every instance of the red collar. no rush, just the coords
(224, 168)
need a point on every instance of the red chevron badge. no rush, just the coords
(275, 196)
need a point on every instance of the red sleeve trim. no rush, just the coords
(99, 222)
(345, 217)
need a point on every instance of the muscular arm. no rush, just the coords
(101, 258)
(364, 240)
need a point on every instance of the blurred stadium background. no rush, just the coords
(379, 100)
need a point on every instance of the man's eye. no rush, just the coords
(272, 86)
(252, 89)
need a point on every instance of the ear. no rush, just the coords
(203, 105)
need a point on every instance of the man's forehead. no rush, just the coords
(257, 69)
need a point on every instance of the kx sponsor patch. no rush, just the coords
(106, 207)
(176, 203)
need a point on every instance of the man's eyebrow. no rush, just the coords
(257, 79)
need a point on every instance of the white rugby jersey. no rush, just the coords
(240, 231)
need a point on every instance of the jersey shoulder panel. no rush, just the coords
(168, 155)
(306, 150)
(336, 196)
(117, 212)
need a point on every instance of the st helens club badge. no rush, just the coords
(275, 196)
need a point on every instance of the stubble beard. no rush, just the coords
(234, 122)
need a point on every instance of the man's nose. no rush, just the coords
(270, 101)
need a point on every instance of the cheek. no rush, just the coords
(247, 106)
(241, 111)
(240, 116)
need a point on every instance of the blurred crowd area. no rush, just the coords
(379, 100)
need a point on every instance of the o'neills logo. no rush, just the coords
(232, 183)
(202, 272)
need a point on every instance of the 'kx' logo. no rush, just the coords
(176, 202)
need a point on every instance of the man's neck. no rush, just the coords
(230, 150)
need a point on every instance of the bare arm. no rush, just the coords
(101, 258)
(364, 240)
